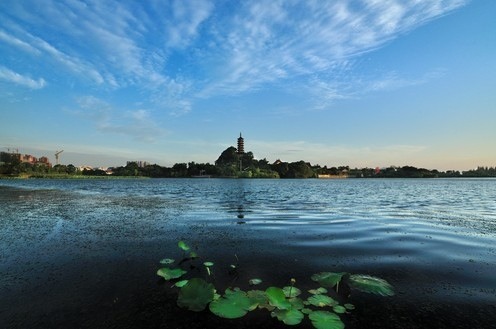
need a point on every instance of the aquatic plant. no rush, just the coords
(196, 294)
(370, 284)
(284, 303)
(254, 282)
(171, 273)
(234, 304)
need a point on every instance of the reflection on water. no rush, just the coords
(432, 239)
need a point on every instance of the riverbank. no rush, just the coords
(66, 176)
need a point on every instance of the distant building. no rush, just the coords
(9, 157)
(44, 160)
(241, 145)
(84, 167)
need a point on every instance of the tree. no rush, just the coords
(228, 157)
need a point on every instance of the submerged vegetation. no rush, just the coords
(324, 305)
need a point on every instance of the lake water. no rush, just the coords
(84, 253)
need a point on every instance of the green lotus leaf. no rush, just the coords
(306, 311)
(183, 245)
(170, 273)
(370, 284)
(291, 292)
(325, 320)
(349, 306)
(254, 282)
(277, 298)
(318, 291)
(193, 255)
(167, 261)
(290, 317)
(208, 264)
(339, 309)
(259, 299)
(321, 300)
(296, 303)
(229, 291)
(328, 279)
(233, 305)
(181, 283)
(196, 295)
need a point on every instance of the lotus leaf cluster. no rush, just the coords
(285, 304)
(196, 295)
(234, 304)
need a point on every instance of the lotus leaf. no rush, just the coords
(234, 304)
(290, 317)
(231, 291)
(328, 279)
(259, 299)
(318, 291)
(296, 303)
(277, 298)
(181, 283)
(254, 282)
(306, 311)
(170, 273)
(193, 255)
(371, 284)
(291, 291)
(195, 295)
(208, 264)
(326, 320)
(349, 306)
(183, 245)
(166, 261)
(321, 300)
(339, 309)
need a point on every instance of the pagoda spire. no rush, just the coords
(241, 144)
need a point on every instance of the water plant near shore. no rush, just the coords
(285, 304)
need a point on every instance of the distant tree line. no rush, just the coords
(481, 172)
(232, 164)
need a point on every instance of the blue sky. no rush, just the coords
(344, 82)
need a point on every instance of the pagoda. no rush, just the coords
(241, 145)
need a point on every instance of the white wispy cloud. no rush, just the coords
(26, 81)
(185, 19)
(280, 40)
(174, 52)
(12, 40)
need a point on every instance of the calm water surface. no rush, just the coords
(84, 252)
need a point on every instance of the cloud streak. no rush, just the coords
(276, 42)
(175, 52)
(22, 80)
